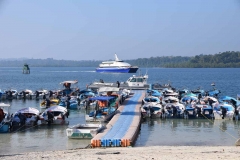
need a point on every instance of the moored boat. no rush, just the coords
(103, 111)
(25, 117)
(54, 115)
(5, 121)
(84, 131)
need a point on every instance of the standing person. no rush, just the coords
(199, 97)
(210, 101)
(118, 84)
(50, 117)
(48, 103)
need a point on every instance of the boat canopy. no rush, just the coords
(29, 110)
(72, 82)
(102, 98)
(108, 89)
(227, 98)
(56, 108)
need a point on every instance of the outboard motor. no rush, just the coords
(224, 112)
(50, 94)
(44, 96)
(50, 117)
(151, 111)
(236, 114)
(163, 113)
(185, 114)
(24, 94)
(68, 104)
(199, 112)
(37, 94)
(174, 111)
(48, 103)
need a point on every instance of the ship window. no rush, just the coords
(139, 80)
(133, 80)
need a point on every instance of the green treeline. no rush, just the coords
(229, 59)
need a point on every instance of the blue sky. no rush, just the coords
(96, 29)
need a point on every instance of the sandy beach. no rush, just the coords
(135, 153)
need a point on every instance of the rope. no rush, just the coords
(219, 127)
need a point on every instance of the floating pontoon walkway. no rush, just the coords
(123, 129)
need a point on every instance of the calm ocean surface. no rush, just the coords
(153, 132)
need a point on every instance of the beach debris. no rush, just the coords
(104, 153)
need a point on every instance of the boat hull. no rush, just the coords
(84, 131)
(118, 70)
(4, 128)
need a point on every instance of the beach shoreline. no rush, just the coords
(138, 153)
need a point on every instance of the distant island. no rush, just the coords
(228, 59)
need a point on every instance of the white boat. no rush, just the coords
(133, 82)
(41, 94)
(70, 88)
(224, 111)
(151, 110)
(54, 115)
(26, 94)
(5, 121)
(116, 66)
(84, 131)
(174, 109)
(25, 117)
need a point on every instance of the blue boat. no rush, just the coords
(104, 110)
(5, 120)
(224, 110)
(118, 66)
(69, 104)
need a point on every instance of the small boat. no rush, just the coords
(133, 82)
(198, 91)
(118, 66)
(10, 94)
(224, 111)
(41, 94)
(25, 117)
(26, 94)
(84, 131)
(5, 120)
(204, 111)
(49, 102)
(105, 108)
(153, 92)
(70, 88)
(54, 115)
(173, 110)
(69, 104)
(151, 110)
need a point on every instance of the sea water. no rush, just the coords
(153, 131)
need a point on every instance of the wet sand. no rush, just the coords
(135, 153)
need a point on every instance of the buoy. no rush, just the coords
(237, 142)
